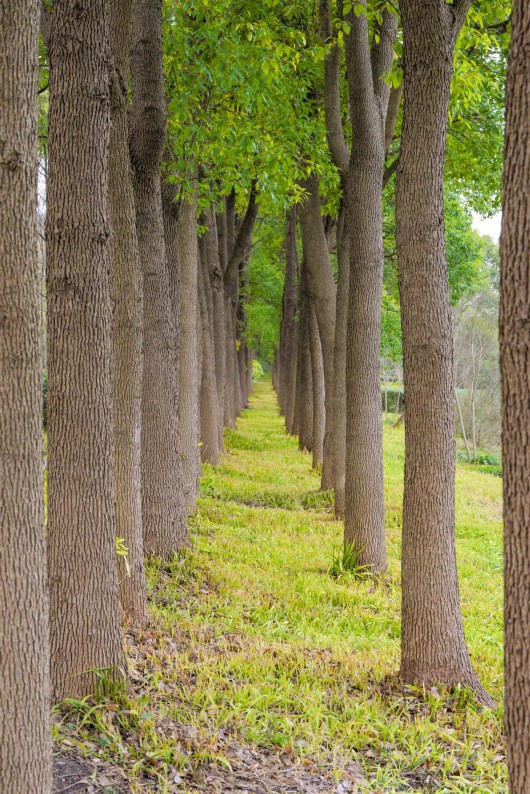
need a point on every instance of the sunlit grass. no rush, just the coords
(251, 635)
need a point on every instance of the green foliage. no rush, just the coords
(345, 561)
(257, 371)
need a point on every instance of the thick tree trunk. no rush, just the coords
(126, 295)
(84, 595)
(25, 747)
(208, 401)
(324, 293)
(318, 389)
(433, 647)
(165, 527)
(515, 369)
(189, 371)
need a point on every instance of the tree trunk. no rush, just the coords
(208, 402)
(219, 327)
(165, 527)
(318, 389)
(288, 313)
(189, 372)
(84, 595)
(339, 381)
(432, 643)
(230, 356)
(515, 368)
(364, 524)
(304, 395)
(25, 755)
(290, 417)
(323, 291)
(125, 280)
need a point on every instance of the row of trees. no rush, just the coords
(164, 127)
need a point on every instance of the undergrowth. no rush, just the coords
(255, 636)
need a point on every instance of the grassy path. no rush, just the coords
(256, 649)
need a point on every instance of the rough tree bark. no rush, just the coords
(189, 372)
(126, 295)
(84, 595)
(288, 313)
(364, 520)
(318, 389)
(25, 754)
(209, 404)
(215, 267)
(304, 390)
(433, 648)
(165, 527)
(324, 293)
(515, 370)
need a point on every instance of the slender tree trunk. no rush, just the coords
(84, 595)
(165, 527)
(170, 213)
(288, 313)
(25, 747)
(433, 648)
(323, 291)
(126, 294)
(339, 381)
(318, 389)
(364, 524)
(515, 368)
(230, 355)
(304, 395)
(208, 402)
(219, 328)
(290, 418)
(189, 371)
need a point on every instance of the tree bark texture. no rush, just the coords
(433, 648)
(304, 394)
(189, 372)
(165, 528)
(318, 389)
(364, 524)
(84, 595)
(288, 313)
(339, 382)
(212, 250)
(125, 278)
(25, 754)
(208, 402)
(324, 293)
(515, 372)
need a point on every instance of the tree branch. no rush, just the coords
(44, 24)
(394, 102)
(244, 234)
(334, 127)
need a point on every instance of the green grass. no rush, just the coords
(252, 637)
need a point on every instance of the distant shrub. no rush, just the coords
(396, 399)
(257, 370)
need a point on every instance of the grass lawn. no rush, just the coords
(252, 639)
